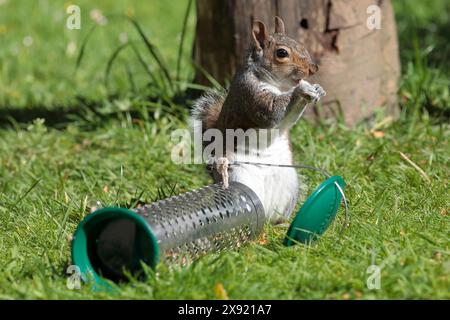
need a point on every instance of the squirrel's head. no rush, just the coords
(285, 60)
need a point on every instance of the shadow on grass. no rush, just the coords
(85, 111)
(55, 116)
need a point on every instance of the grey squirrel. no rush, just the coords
(267, 92)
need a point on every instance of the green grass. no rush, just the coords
(51, 174)
(398, 218)
(424, 52)
(42, 74)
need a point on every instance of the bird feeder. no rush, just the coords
(113, 241)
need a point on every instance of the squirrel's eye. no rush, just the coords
(282, 53)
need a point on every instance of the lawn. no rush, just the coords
(112, 145)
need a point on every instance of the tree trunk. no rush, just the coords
(358, 67)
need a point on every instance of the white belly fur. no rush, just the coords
(276, 187)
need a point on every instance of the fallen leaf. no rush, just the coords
(263, 239)
(220, 291)
(378, 134)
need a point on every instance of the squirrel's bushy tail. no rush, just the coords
(206, 109)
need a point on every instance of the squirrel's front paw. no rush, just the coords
(310, 92)
(319, 90)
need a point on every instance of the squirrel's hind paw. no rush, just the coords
(222, 166)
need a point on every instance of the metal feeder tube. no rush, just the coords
(112, 240)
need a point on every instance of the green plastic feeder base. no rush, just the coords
(112, 240)
(101, 250)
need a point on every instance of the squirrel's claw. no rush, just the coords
(222, 165)
(319, 90)
(310, 92)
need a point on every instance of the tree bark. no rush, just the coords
(358, 67)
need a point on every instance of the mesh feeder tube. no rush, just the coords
(112, 241)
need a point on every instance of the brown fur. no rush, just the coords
(267, 92)
(246, 105)
(212, 116)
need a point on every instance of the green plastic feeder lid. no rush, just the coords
(316, 215)
(100, 233)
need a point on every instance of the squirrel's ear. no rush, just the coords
(279, 25)
(259, 34)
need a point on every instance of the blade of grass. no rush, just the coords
(415, 166)
(130, 77)
(208, 76)
(26, 193)
(153, 51)
(183, 35)
(111, 60)
(144, 64)
(83, 47)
